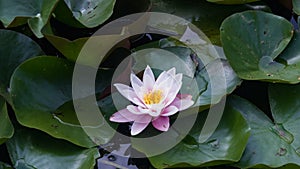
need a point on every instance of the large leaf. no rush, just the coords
(206, 16)
(87, 13)
(253, 54)
(15, 49)
(36, 13)
(225, 145)
(42, 85)
(31, 149)
(272, 144)
(6, 127)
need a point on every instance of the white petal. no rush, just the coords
(156, 109)
(135, 110)
(128, 93)
(183, 102)
(137, 128)
(148, 78)
(123, 116)
(169, 111)
(172, 71)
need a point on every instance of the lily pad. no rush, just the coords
(253, 55)
(31, 149)
(6, 127)
(272, 144)
(15, 49)
(87, 13)
(224, 146)
(206, 16)
(35, 13)
(39, 87)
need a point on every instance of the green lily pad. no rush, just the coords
(224, 146)
(296, 7)
(35, 13)
(291, 55)
(84, 13)
(6, 127)
(15, 49)
(206, 16)
(253, 55)
(31, 149)
(272, 144)
(40, 87)
(231, 2)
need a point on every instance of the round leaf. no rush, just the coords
(253, 54)
(31, 149)
(39, 87)
(270, 144)
(226, 145)
(15, 49)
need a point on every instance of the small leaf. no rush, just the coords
(33, 149)
(296, 7)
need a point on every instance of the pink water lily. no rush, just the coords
(153, 101)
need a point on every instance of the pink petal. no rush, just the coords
(161, 123)
(128, 93)
(137, 128)
(183, 102)
(148, 78)
(169, 111)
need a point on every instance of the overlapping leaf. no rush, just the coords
(40, 88)
(272, 144)
(35, 13)
(225, 145)
(15, 49)
(31, 149)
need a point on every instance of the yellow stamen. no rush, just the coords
(153, 97)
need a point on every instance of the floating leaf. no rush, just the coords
(18, 12)
(272, 144)
(42, 85)
(31, 149)
(6, 127)
(15, 49)
(225, 145)
(87, 13)
(291, 55)
(253, 55)
(206, 16)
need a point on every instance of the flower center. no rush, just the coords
(153, 97)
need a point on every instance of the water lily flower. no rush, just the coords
(152, 101)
